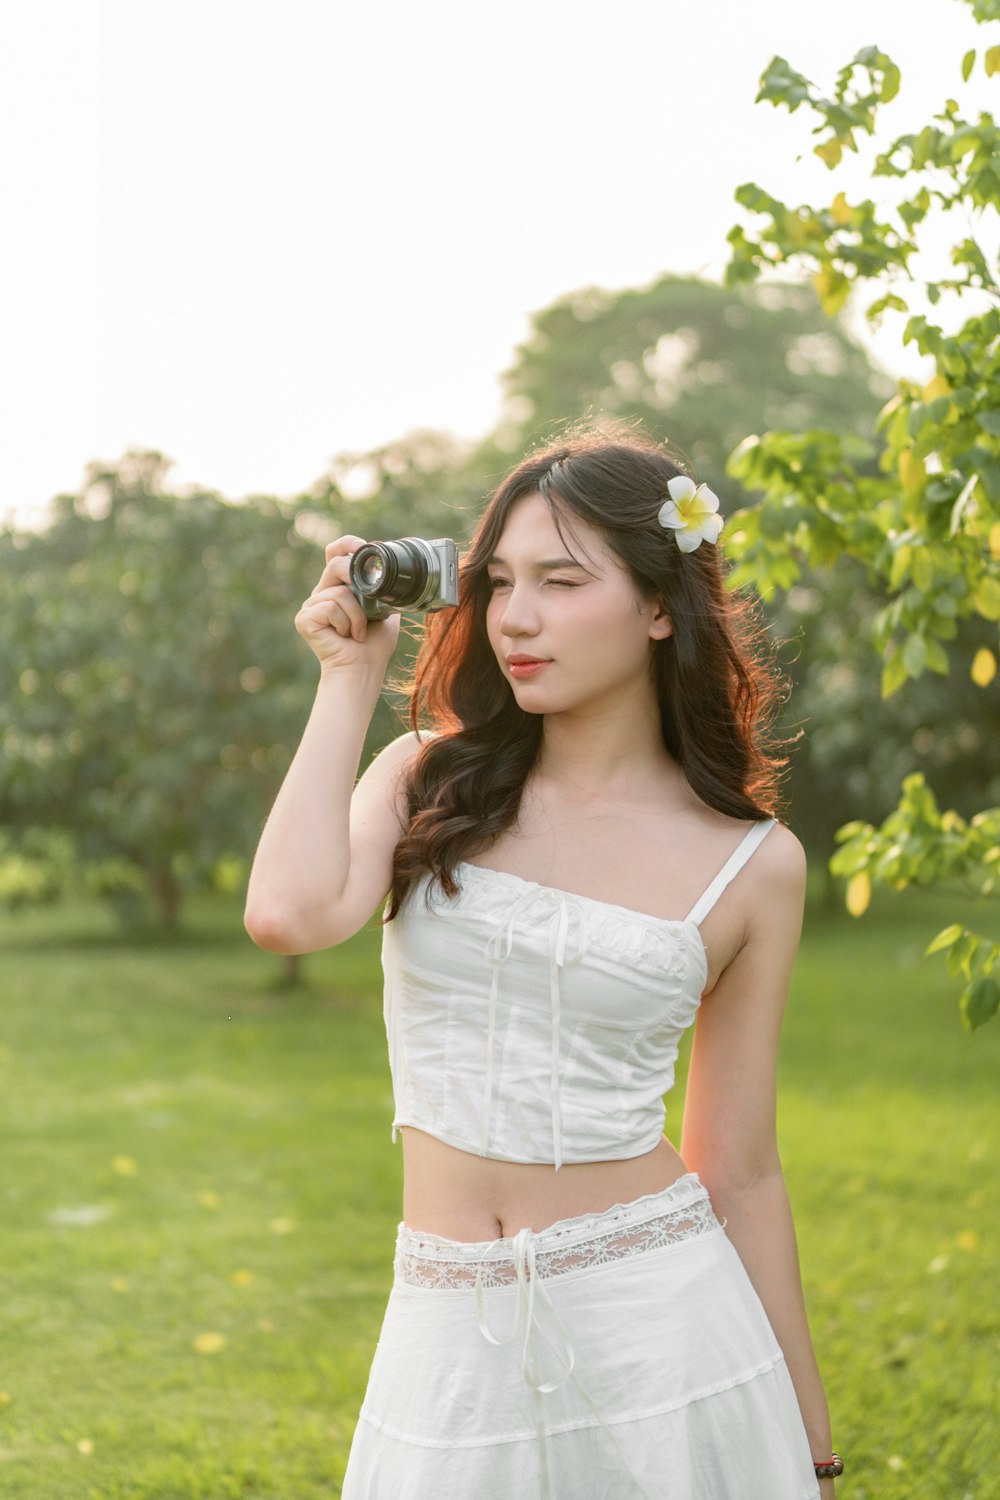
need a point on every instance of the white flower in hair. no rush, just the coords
(691, 512)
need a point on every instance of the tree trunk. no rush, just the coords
(168, 897)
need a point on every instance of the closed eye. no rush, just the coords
(560, 583)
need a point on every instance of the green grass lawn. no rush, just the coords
(200, 1198)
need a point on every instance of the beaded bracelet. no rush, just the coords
(831, 1468)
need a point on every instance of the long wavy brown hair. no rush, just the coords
(715, 675)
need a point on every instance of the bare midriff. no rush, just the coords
(466, 1197)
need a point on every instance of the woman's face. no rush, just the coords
(564, 617)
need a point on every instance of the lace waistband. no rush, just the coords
(681, 1211)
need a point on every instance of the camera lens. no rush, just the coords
(372, 571)
(394, 572)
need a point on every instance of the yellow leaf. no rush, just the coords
(936, 387)
(830, 152)
(987, 598)
(85, 1446)
(5, 1398)
(859, 893)
(208, 1199)
(991, 58)
(984, 667)
(841, 210)
(967, 1240)
(911, 470)
(833, 290)
(950, 820)
(995, 541)
(125, 1166)
(241, 1278)
(119, 1284)
(209, 1343)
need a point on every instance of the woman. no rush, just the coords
(580, 859)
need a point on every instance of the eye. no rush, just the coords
(497, 583)
(563, 583)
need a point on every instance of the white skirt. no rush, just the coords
(616, 1356)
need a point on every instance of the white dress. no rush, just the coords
(622, 1355)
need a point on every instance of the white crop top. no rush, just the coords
(530, 1024)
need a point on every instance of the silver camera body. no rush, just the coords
(386, 577)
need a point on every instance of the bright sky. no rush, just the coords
(256, 233)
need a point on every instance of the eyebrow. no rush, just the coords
(540, 567)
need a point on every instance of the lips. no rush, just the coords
(525, 666)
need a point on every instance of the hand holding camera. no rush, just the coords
(367, 582)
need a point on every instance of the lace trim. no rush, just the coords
(427, 1261)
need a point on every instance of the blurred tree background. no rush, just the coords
(154, 687)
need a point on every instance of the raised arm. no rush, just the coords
(730, 1135)
(324, 861)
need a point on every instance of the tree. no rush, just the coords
(698, 365)
(924, 525)
(150, 680)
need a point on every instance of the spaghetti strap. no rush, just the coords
(731, 868)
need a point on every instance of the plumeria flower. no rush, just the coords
(691, 512)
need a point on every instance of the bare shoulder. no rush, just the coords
(403, 749)
(391, 765)
(781, 857)
(779, 869)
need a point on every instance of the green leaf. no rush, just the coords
(915, 655)
(937, 656)
(923, 569)
(889, 303)
(780, 84)
(991, 58)
(962, 954)
(968, 62)
(944, 939)
(979, 1001)
(901, 563)
(989, 421)
(890, 83)
(893, 674)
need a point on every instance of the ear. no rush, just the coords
(660, 625)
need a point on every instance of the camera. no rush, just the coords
(386, 577)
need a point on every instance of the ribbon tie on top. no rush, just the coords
(498, 950)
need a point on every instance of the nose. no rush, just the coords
(520, 615)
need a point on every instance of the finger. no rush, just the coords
(344, 544)
(351, 605)
(347, 603)
(316, 616)
(337, 570)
